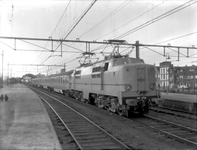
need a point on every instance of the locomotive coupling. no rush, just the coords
(131, 102)
(135, 102)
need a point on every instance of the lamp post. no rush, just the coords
(167, 56)
(167, 72)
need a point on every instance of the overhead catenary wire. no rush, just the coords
(80, 18)
(100, 47)
(75, 24)
(67, 45)
(132, 19)
(121, 6)
(164, 15)
(179, 37)
(36, 45)
(185, 5)
(109, 15)
(61, 17)
(126, 2)
(56, 26)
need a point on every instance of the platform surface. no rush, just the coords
(24, 122)
(179, 97)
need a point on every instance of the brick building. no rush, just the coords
(164, 74)
(172, 77)
(186, 76)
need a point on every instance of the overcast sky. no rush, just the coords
(107, 19)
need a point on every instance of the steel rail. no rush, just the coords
(112, 137)
(171, 123)
(78, 144)
(173, 135)
(182, 114)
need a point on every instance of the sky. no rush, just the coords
(106, 19)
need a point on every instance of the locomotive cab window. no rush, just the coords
(106, 66)
(96, 72)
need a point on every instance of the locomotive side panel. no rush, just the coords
(112, 81)
(96, 83)
(86, 81)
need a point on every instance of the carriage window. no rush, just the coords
(78, 74)
(96, 69)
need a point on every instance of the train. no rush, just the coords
(123, 85)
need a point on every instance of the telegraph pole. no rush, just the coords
(8, 75)
(137, 50)
(2, 67)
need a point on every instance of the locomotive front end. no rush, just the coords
(140, 87)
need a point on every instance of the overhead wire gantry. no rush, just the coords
(137, 45)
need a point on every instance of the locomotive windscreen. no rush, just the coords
(123, 61)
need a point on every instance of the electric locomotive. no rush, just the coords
(121, 84)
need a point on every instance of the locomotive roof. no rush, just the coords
(133, 60)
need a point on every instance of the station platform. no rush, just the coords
(24, 122)
(183, 102)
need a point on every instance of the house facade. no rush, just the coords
(172, 77)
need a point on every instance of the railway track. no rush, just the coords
(180, 133)
(188, 120)
(75, 130)
(175, 131)
(175, 112)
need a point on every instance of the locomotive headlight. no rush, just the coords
(128, 87)
(152, 86)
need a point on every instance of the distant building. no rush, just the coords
(171, 77)
(27, 77)
(186, 76)
(165, 75)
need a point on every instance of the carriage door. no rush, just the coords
(141, 85)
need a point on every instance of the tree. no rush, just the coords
(29, 75)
